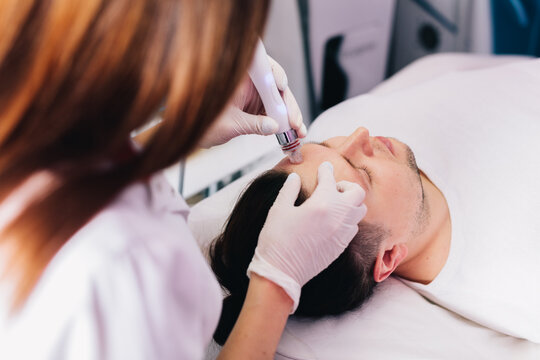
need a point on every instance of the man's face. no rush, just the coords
(386, 170)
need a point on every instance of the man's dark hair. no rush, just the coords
(343, 286)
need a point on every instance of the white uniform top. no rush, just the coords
(131, 284)
(476, 135)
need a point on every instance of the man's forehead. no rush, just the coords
(314, 154)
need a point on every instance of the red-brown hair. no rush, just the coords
(77, 76)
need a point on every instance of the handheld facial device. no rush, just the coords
(263, 79)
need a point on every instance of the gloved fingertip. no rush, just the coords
(302, 131)
(325, 176)
(290, 190)
(361, 193)
(351, 192)
(362, 211)
(269, 126)
(327, 165)
(295, 115)
(281, 82)
(293, 177)
(293, 181)
(279, 75)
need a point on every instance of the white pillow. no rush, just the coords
(398, 323)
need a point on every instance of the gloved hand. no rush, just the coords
(245, 114)
(296, 243)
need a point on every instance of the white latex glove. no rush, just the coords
(245, 114)
(297, 243)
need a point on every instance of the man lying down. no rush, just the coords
(461, 230)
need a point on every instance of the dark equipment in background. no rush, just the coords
(516, 27)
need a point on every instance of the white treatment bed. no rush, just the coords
(397, 322)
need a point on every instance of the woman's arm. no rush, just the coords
(263, 317)
(295, 244)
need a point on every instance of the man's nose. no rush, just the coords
(358, 141)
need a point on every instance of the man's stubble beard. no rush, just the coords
(422, 215)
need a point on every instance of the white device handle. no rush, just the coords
(263, 79)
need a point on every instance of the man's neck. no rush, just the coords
(429, 251)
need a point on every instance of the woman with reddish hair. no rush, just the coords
(97, 261)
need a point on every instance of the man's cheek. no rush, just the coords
(395, 183)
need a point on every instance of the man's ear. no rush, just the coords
(388, 260)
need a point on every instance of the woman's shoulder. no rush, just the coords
(145, 210)
(143, 229)
(146, 221)
(142, 233)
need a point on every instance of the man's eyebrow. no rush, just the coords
(325, 144)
